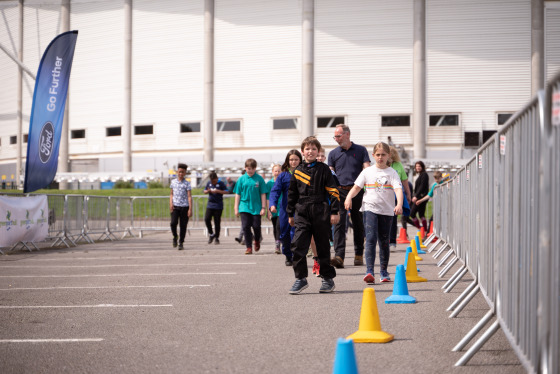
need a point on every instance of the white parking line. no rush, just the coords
(121, 265)
(109, 275)
(105, 287)
(85, 306)
(49, 340)
(30, 258)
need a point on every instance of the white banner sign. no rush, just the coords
(23, 219)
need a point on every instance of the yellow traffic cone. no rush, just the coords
(422, 235)
(415, 251)
(369, 330)
(412, 271)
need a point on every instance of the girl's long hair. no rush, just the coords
(286, 164)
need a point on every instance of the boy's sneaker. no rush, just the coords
(299, 285)
(257, 245)
(315, 268)
(211, 238)
(309, 253)
(392, 246)
(327, 285)
(180, 247)
(174, 242)
(385, 277)
(249, 251)
(369, 278)
(277, 248)
(337, 262)
(216, 241)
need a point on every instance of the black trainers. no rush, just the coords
(180, 247)
(327, 285)
(299, 285)
(238, 239)
(288, 262)
(216, 241)
(174, 242)
(211, 238)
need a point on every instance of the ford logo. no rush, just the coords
(46, 142)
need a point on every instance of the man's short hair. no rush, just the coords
(344, 128)
(251, 163)
(182, 166)
(310, 140)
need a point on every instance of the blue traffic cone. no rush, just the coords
(345, 358)
(400, 289)
(408, 250)
(418, 248)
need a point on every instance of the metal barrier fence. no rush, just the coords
(500, 216)
(89, 218)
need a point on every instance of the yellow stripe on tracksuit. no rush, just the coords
(302, 177)
(333, 192)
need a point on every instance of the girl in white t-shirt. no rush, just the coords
(381, 183)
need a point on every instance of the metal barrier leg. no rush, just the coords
(479, 343)
(448, 267)
(434, 246)
(453, 277)
(452, 285)
(429, 239)
(462, 295)
(465, 302)
(442, 261)
(475, 330)
(440, 251)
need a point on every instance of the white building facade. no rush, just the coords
(478, 70)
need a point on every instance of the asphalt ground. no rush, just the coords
(140, 306)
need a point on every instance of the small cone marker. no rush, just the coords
(408, 250)
(419, 245)
(422, 235)
(402, 239)
(369, 330)
(345, 358)
(400, 289)
(412, 272)
(431, 228)
(415, 251)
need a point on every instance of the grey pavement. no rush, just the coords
(140, 306)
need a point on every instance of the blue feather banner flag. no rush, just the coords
(47, 112)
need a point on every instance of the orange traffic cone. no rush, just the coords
(402, 239)
(415, 251)
(422, 233)
(431, 229)
(369, 330)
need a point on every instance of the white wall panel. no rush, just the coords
(257, 70)
(478, 62)
(552, 39)
(363, 65)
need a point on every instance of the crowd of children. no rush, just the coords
(302, 200)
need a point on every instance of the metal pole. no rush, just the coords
(419, 79)
(479, 343)
(127, 125)
(537, 46)
(64, 144)
(208, 145)
(307, 110)
(471, 334)
(19, 135)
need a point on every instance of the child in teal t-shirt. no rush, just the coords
(250, 201)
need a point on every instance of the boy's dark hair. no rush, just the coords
(213, 175)
(251, 163)
(286, 164)
(310, 140)
(182, 166)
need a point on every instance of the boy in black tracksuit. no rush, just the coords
(311, 187)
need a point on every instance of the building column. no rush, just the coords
(208, 138)
(307, 108)
(537, 46)
(63, 158)
(419, 80)
(127, 125)
(19, 137)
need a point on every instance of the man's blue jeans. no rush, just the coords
(377, 227)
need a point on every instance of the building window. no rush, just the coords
(13, 139)
(190, 127)
(25, 137)
(324, 122)
(78, 134)
(390, 121)
(444, 120)
(487, 134)
(472, 139)
(229, 125)
(113, 131)
(284, 123)
(144, 130)
(503, 118)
